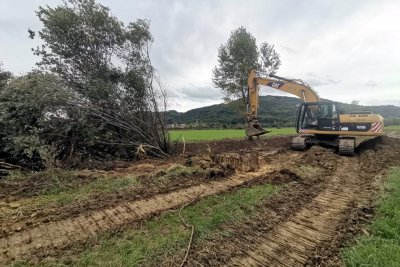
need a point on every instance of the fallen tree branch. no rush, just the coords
(5, 165)
(188, 226)
(191, 235)
(184, 145)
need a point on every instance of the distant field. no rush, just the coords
(204, 135)
(392, 128)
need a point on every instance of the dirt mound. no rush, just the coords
(284, 176)
(201, 148)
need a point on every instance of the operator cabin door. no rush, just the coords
(327, 117)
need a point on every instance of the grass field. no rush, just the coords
(204, 135)
(382, 247)
(392, 128)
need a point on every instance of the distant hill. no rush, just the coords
(274, 111)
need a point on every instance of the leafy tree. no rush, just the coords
(269, 60)
(27, 104)
(93, 51)
(237, 58)
(107, 66)
(5, 76)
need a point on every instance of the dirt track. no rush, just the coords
(57, 235)
(305, 224)
(290, 244)
(308, 223)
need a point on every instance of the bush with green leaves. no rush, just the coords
(95, 95)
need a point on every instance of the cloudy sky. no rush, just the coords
(346, 50)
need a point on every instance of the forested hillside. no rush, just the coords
(274, 111)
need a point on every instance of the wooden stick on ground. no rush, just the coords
(191, 235)
(188, 226)
(8, 165)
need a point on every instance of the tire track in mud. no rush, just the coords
(294, 241)
(41, 240)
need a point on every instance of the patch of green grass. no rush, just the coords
(392, 128)
(307, 170)
(163, 177)
(100, 185)
(179, 171)
(162, 240)
(204, 135)
(382, 248)
(51, 178)
(65, 187)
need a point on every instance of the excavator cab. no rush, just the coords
(317, 116)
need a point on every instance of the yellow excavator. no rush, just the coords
(318, 122)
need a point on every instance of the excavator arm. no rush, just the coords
(298, 88)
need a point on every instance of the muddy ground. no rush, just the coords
(327, 200)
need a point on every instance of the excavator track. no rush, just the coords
(293, 242)
(299, 143)
(346, 146)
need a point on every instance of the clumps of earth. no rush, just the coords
(211, 168)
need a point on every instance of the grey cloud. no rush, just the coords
(200, 93)
(288, 49)
(370, 83)
(332, 81)
(310, 74)
(315, 80)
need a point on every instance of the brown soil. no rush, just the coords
(309, 222)
(275, 143)
(37, 183)
(145, 170)
(305, 224)
(28, 218)
(51, 231)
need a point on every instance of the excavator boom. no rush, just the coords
(298, 88)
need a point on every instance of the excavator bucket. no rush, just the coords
(255, 130)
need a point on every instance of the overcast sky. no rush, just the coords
(346, 50)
